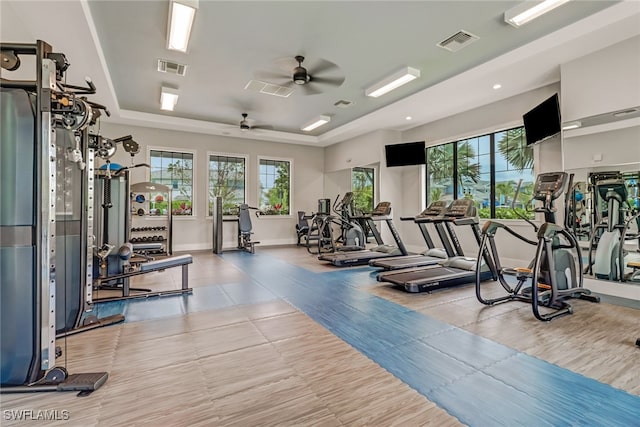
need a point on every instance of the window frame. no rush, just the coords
(258, 182)
(246, 181)
(492, 167)
(374, 183)
(193, 177)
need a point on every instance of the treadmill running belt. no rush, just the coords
(406, 262)
(353, 258)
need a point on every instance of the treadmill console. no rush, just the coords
(382, 209)
(549, 185)
(324, 206)
(461, 208)
(434, 209)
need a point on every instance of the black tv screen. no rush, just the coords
(410, 153)
(543, 121)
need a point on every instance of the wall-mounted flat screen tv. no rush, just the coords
(543, 121)
(410, 153)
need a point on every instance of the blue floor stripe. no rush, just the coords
(477, 380)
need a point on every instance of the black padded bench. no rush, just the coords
(151, 266)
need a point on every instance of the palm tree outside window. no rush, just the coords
(485, 169)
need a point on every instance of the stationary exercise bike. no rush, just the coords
(551, 277)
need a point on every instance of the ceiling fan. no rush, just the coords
(321, 73)
(245, 124)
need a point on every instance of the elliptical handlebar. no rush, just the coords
(513, 207)
(567, 200)
(334, 207)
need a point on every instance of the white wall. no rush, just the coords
(194, 233)
(337, 183)
(367, 150)
(489, 118)
(612, 148)
(359, 151)
(604, 81)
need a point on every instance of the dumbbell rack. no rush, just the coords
(146, 228)
(144, 234)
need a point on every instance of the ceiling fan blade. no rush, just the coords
(271, 77)
(286, 64)
(308, 89)
(322, 66)
(262, 127)
(333, 81)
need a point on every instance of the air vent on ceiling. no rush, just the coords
(343, 103)
(458, 41)
(166, 66)
(268, 88)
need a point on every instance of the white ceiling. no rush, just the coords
(118, 44)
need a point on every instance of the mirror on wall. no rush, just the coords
(604, 214)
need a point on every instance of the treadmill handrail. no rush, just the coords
(466, 221)
(439, 218)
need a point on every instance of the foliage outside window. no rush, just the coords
(226, 180)
(362, 186)
(275, 187)
(486, 169)
(174, 170)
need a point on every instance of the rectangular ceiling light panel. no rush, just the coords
(168, 98)
(316, 123)
(529, 10)
(392, 82)
(181, 16)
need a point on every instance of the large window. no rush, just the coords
(175, 170)
(226, 180)
(486, 169)
(275, 186)
(362, 185)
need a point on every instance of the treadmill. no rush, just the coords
(381, 213)
(432, 255)
(454, 271)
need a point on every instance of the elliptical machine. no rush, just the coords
(551, 277)
(351, 237)
(611, 230)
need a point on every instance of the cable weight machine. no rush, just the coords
(35, 114)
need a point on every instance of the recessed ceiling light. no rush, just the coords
(408, 118)
(497, 86)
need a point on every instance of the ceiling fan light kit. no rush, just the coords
(529, 10)
(181, 16)
(392, 82)
(315, 123)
